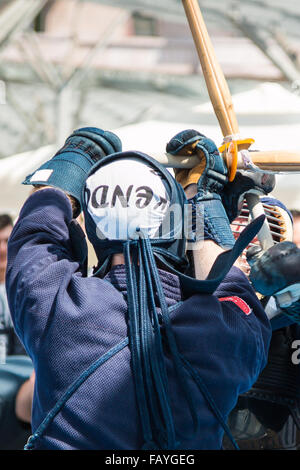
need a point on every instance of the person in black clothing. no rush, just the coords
(16, 370)
(9, 342)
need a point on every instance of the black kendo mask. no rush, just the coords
(129, 195)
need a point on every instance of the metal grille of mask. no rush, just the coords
(279, 222)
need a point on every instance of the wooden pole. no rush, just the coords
(221, 100)
(215, 81)
(269, 160)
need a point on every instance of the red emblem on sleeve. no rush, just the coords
(239, 302)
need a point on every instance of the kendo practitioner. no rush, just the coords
(141, 354)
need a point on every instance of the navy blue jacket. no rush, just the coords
(67, 321)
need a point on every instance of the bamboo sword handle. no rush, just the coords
(269, 160)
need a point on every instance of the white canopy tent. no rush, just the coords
(13, 170)
(268, 99)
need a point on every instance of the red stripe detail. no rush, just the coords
(239, 302)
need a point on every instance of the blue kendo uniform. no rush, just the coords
(67, 322)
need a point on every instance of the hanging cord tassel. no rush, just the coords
(179, 367)
(153, 380)
(156, 359)
(147, 357)
(134, 343)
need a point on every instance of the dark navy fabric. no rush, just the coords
(67, 321)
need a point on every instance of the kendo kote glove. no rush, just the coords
(210, 176)
(68, 169)
(244, 182)
(276, 272)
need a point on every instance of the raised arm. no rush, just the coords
(214, 201)
(47, 248)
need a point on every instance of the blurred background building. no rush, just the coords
(131, 66)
